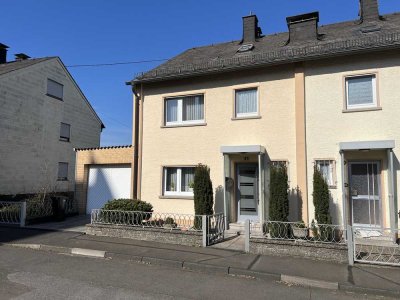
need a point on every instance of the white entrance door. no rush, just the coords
(106, 183)
(365, 193)
(247, 192)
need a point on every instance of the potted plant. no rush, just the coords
(172, 186)
(191, 185)
(300, 230)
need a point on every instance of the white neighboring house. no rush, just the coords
(43, 116)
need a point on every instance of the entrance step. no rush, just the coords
(239, 229)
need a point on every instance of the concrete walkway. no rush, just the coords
(73, 224)
(361, 278)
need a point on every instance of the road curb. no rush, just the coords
(330, 285)
(210, 269)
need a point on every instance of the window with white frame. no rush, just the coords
(62, 171)
(246, 103)
(178, 181)
(55, 89)
(65, 132)
(361, 92)
(327, 169)
(184, 110)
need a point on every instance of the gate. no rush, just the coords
(376, 245)
(213, 229)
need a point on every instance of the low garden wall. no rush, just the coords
(161, 235)
(312, 250)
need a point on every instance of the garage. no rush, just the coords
(107, 182)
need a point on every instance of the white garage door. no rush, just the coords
(105, 183)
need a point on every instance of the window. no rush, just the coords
(280, 163)
(327, 169)
(65, 131)
(184, 110)
(178, 181)
(361, 92)
(246, 104)
(62, 171)
(54, 89)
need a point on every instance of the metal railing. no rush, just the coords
(376, 245)
(298, 231)
(215, 228)
(169, 221)
(12, 213)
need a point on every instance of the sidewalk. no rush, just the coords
(360, 278)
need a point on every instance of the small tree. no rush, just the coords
(279, 200)
(321, 204)
(203, 192)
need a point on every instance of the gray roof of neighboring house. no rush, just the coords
(16, 65)
(335, 39)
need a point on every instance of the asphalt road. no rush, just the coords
(32, 274)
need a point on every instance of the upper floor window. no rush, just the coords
(55, 89)
(327, 169)
(184, 110)
(178, 181)
(361, 92)
(246, 103)
(62, 171)
(65, 132)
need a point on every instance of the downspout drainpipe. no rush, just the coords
(140, 141)
(135, 141)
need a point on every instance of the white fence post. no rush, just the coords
(350, 245)
(247, 236)
(22, 214)
(204, 227)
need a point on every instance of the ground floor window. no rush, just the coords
(178, 181)
(327, 169)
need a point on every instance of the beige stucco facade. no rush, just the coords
(30, 145)
(301, 118)
(274, 129)
(328, 124)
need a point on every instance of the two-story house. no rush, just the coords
(43, 116)
(324, 96)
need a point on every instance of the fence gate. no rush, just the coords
(376, 245)
(213, 229)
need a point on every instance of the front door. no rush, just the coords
(247, 192)
(365, 193)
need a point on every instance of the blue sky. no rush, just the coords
(103, 31)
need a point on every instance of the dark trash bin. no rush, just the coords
(58, 204)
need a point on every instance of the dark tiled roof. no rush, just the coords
(16, 65)
(335, 39)
(102, 148)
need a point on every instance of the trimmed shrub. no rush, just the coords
(127, 205)
(321, 204)
(279, 200)
(203, 193)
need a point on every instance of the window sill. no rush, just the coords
(62, 179)
(245, 118)
(350, 110)
(55, 97)
(176, 197)
(184, 125)
(65, 141)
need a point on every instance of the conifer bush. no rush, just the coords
(321, 205)
(279, 201)
(203, 193)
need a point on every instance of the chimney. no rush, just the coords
(3, 53)
(303, 27)
(21, 56)
(369, 10)
(251, 31)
